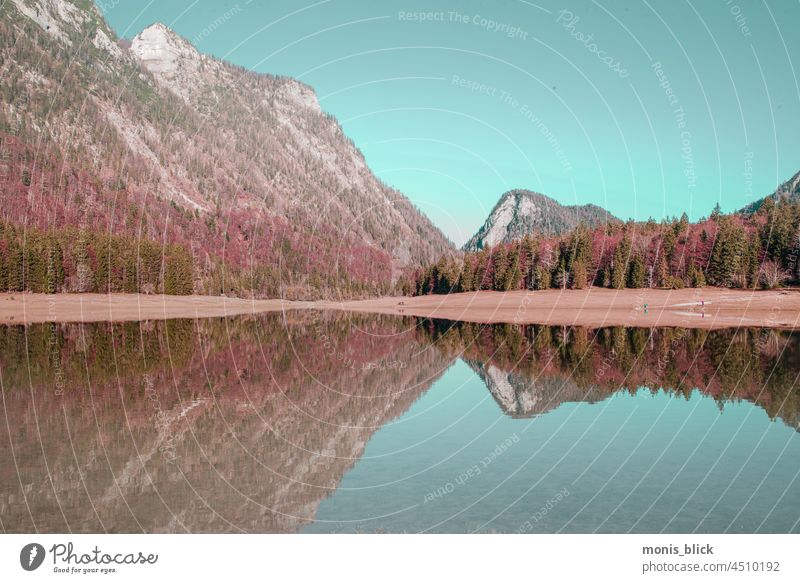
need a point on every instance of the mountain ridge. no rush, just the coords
(788, 191)
(521, 212)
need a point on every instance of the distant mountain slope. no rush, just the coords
(789, 191)
(522, 212)
(163, 142)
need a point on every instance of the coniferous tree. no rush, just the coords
(178, 278)
(637, 274)
(619, 269)
(468, 274)
(501, 265)
(529, 272)
(542, 277)
(728, 253)
(662, 271)
(514, 272)
(695, 276)
(579, 277)
(55, 266)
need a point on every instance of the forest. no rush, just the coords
(741, 250)
(73, 260)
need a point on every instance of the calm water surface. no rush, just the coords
(320, 422)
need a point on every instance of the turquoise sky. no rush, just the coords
(666, 107)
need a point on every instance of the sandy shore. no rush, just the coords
(691, 308)
(30, 308)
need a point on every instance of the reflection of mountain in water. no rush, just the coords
(522, 396)
(530, 370)
(227, 425)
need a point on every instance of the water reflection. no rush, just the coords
(268, 424)
(206, 426)
(532, 369)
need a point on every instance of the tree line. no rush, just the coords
(76, 260)
(759, 250)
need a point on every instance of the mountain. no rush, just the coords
(522, 212)
(789, 191)
(152, 139)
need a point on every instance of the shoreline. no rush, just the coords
(29, 308)
(708, 308)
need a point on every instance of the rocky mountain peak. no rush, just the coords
(171, 59)
(523, 212)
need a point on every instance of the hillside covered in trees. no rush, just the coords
(743, 250)
(151, 140)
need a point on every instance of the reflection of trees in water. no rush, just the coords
(533, 369)
(211, 425)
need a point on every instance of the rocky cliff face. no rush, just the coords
(522, 212)
(174, 144)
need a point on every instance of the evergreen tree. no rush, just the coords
(561, 273)
(501, 265)
(579, 278)
(662, 271)
(514, 272)
(529, 271)
(468, 274)
(542, 277)
(637, 275)
(178, 276)
(682, 225)
(55, 266)
(16, 265)
(728, 253)
(695, 276)
(619, 268)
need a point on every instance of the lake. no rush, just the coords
(329, 422)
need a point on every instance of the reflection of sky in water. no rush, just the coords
(638, 463)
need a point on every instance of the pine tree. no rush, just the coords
(178, 274)
(55, 266)
(562, 274)
(619, 268)
(501, 265)
(695, 276)
(16, 265)
(579, 274)
(468, 274)
(728, 253)
(662, 271)
(637, 275)
(513, 273)
(542, 277)
(529, 271)
(682, 225)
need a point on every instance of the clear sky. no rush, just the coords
(646, 108)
